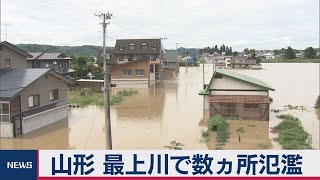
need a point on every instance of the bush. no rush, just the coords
(218, 123)
(291, 133)
(86, 92)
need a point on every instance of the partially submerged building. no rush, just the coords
(31, 99)
(170, 65)
(231, 94)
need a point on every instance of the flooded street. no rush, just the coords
(156, 116)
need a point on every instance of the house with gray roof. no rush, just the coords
(59, 62)
(31, 99)
(236, 95)
(170, 65)
(12, 57)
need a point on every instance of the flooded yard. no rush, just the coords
(174, 112)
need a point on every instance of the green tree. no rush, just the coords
(253, 53)
(216, 49)
(289, 53)
(246, 51)
(310, 53)
(235, 53)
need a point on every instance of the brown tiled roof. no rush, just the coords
(137, 42)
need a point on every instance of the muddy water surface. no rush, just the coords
(156, 116)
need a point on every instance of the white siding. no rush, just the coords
(231, 83)
(6, 130)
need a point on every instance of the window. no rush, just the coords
(130, 58)
(47, 65)
(7, 63)
(127, 72)
(154, 47)
(54, 62)
(67, 64)
(34, 101)
(144, 46)
(61, 65)
(153, 57)
(121, 48)
(251, 106)
(131, 46)
(54, 94)
(139, 72)
(4, 112)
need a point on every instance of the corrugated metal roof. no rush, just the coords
(170, 57)
(242, 77)
(13, 81)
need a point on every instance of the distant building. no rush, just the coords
(31, 99)
(170, 65)
(56, 61)
(236, 95)
(269, 56)
(300, 54)
(130, 50)
(233, 62)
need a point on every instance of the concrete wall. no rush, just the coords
(42, 119)
(16, 60)
(130, 83)
(43, 86)
(6, 130)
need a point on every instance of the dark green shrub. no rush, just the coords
(86, 92)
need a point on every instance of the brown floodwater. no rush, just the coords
(174, 112)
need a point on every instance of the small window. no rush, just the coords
(7, 63)
(153, 57)
(121, 48)
(127, 72)
(144, 46)
(251, 106)
(67, 64)
(131, 46)
(34, 101)
(154, 47)
(139, 72)
(47, 65)
(54, 94)
(54, 62)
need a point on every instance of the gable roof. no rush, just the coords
(15, 48)
(137, 42)
(241, 77)
(170, 57)
(48, 56)
(12, 81)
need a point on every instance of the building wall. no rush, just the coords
(245, 93)
(168, 74)
(43, 86)
(233, 84)
(43, 63)
(94, 86)
(117, 72)
(16, 60)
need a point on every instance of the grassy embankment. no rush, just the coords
(291, 134)
(86, 97)
(296, 60)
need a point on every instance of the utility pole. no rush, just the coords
(106, 68)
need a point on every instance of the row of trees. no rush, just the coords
(223, 48)
(309, 53)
